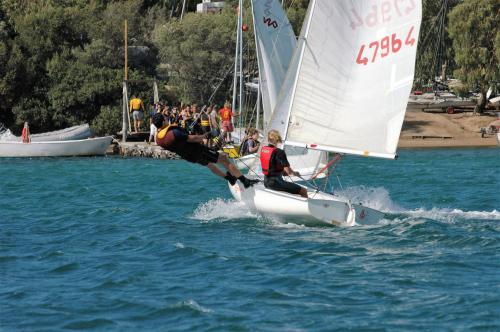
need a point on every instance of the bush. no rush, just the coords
(108, 122)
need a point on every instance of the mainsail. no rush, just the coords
(275, 43)
(351, 75)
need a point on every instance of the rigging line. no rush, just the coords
(251, 170)
(337, 157)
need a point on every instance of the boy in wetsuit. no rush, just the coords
(190, 148)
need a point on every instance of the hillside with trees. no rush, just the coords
(61, 61)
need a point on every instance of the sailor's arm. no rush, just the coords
(288, 170)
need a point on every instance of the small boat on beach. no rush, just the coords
(84, 147)
(67, 134)
(72, 133)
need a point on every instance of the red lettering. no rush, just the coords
(374, 44)
(371, 19)
(388, 44)
(359, 60)
(384, 45)
(396, 43)
(359, 22)
(386, 9)
(409, 39)
(410, 8)
(397, 7)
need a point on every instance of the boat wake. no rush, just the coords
(222, 209)
(376, 198)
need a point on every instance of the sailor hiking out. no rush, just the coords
(191, 148)
(274, 163)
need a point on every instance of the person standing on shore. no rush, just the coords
(25, 135)
(226, 115)
(137, 110)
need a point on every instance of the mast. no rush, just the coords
(240, 120)
(236, 56)
(304, 40)
(257, 118)
(440, 44)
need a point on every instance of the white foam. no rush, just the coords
(375, 198)
(193, 305)
(222, 209)
(450, 215)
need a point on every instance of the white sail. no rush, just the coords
(275, 42)
(354, 71)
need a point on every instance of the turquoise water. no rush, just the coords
(111, 244)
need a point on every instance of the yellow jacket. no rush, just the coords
(136, 104)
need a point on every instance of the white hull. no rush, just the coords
(498, 138)
(245, 162)
(85, 147)
(319, 209)
(72, 133)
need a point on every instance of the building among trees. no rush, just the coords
(207, 6)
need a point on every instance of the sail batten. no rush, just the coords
(354, 71)
(326, 148)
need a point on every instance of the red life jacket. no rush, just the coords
(265, 160)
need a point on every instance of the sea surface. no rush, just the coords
(112, 244)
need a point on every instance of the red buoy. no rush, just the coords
(244, 27)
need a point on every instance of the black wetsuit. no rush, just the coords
(274, 180)
(176, 141)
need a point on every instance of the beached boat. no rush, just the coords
(343, 49)
(67, 134)
(85, 147)
(71, 133)
(445, 102)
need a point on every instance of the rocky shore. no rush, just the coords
(142, 149)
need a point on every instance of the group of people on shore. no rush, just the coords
(191, 133)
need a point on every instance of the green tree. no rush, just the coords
(199, 51)
(474, 29)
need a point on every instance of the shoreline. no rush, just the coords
(141, 149)
(431, 143)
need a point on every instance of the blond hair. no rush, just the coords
(274, 137)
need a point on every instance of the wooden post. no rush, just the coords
(125, 112)
(125, 38)
(156, 95)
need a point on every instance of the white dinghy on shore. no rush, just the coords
(345, 91)
(67, 134)
(85, 147)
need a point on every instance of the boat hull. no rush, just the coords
(319, 209)
(68, 134)
(86, 147)
(245, 162)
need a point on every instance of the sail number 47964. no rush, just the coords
(387, 45)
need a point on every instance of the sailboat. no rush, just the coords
(275, 43)
(345, 91)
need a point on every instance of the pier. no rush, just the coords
(141, 149)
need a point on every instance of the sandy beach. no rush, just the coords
(431, 130)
